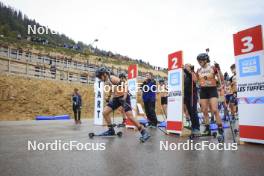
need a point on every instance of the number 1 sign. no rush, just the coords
(132, 71)
(249, 54)
(132, 88)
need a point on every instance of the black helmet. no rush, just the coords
(100, 71)
(122, 75)
(233, 66)
(203, 56)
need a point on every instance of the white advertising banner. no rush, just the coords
(175, 94)
(98, 102)
(249, 55)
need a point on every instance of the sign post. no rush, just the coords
(175, 94)
(132, 88)
(98, 102)
(249, 56)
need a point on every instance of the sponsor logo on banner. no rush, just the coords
(132, 86)
(174, 79)
(249, 66)
(175, 94)
(251, 87)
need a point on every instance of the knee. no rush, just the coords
(105, 113)
(204, 109)
(214, 110)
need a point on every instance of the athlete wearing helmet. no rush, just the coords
(119, 97)
(233, 97)
(207, 78)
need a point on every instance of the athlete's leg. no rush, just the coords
(130, 116)
(214, 109)
(164, 106)
(204, 108)
(106, 114)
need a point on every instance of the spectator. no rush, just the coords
(149, 99)
(77, 106)
(190, 97)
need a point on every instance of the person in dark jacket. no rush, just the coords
(149, 88)
(77, 106)
(190, 97)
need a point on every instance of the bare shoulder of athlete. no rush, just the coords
(114, 80)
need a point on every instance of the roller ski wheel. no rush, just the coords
(91, 135)
(221, 139)
(119, 134)
(192, 136)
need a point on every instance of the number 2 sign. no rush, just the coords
(175, 60)
(247, 41)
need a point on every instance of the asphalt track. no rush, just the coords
(124, 156)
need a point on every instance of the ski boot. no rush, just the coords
(221, 137)
(109, 132)
(144, 136)
(207, 130)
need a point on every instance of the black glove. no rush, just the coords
(217, 66)
(192, 68)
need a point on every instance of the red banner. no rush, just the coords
(175, 60)
(132, 71)
(248, 41)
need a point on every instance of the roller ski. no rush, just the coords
(233, 131)
(197, 134)
(144, 136)
(220, 136)
(109, 133)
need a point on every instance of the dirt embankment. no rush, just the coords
(23, 98)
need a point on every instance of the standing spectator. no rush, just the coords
(149, 98)
(190, 97)
(53, 70)
(77, 106)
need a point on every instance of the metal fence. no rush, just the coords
(16, 61)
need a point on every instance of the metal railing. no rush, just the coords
(25, 63)
(14, 61)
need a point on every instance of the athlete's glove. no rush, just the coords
(217, 66)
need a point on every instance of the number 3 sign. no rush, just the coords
(175, 60)
(247, 41)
